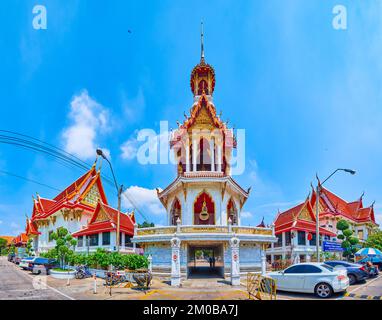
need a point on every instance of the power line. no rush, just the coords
(29, 180)
(60, 156)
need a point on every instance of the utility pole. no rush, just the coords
(318, 191)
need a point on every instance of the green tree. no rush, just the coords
(348, 240)
(374, 240)
(146, 224)
(29, 247)
(3, 245)
(64, 241)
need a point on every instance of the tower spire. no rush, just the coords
(202, 42)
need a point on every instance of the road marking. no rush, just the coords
(48, 286)
(351, 293)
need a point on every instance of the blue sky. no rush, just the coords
(307, 95)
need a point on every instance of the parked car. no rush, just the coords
(11, 257)
(356, 272)
(24, 263)
(17, 259)
(41, 265)
(374, 260)
(318, 278)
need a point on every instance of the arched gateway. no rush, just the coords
(204, 236)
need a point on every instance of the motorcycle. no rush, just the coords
(82, 272)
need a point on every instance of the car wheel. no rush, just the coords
(352, 279)
(323, 290)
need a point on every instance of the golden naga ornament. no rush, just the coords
(204, 215)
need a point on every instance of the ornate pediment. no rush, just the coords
(102, 216)
(92, 196)
(305, 215)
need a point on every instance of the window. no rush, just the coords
(50, 236)
(105, 238)
(279, 240)
(306, 268)
(360, 234)
(301, 238)
(327, 267)
(93, 240)
(288, 238)
(313, 241)
(80, 241)
(128, 242)
(294, 269)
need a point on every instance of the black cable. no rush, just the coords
(29, 180)
(60, 154)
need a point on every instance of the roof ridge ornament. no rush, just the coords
(202, 42)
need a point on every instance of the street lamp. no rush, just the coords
(119, 193)
(318, 190)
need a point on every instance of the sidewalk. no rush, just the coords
(211, 289)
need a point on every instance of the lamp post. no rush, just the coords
(119, 194)
(318, 190)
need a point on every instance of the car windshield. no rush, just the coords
(327, 267)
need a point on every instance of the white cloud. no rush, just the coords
(88, 119)
(129, 149)
(146, 200)
(246, 215)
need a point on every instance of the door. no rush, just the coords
(292, 279)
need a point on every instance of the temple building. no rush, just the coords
(204, 203)
(295, 228)
(82, 208)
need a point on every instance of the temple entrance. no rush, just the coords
(205, 261)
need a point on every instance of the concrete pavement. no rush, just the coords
(16, 284)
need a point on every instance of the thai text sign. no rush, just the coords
(331, 246)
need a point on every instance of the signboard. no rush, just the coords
(331, 246)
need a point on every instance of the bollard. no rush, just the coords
(95, 283)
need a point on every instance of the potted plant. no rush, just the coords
(64, 241)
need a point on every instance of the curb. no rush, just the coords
(362, 296)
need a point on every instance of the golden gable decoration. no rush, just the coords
(102, 216)
(92, 196)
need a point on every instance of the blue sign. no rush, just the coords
(331, 246)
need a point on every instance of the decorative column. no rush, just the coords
(263, 260)
(229, 225)
(235, 261)
(178, 225)
(219, 158)
(150, 259)
(194, 153)
(212, 149)
(175, 261)
(187, 155)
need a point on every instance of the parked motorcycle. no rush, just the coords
(82, 272)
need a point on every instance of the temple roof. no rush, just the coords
(105, 219)
(333, 205)
(9, 239)
(300, 218)
(31, 228)
(74, 196)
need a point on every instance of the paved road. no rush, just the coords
(18, 284)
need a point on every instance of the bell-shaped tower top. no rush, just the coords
(203, 75)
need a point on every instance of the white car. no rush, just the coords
(317, 278)
(24, 263)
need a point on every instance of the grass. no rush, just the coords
(62, 270)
